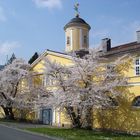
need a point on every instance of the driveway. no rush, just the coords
(7, 133)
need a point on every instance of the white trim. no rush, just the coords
(46, 52)
(59, 118)
(44, 80)
(87, 40)
(71, 40)
(66, 41)
(39, 58)
(59, 54)
(78, 27)
(134, 84)
(53, 116)
(135, 107)
(136, 65)
(81, 39)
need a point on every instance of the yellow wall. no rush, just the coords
(64, 120)
(2, 115)
(122, 118)
(54, 58)
(77, 38)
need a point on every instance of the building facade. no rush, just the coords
(124, 116)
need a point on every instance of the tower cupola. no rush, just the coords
(76, 33)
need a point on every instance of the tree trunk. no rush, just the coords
(7, 110)
(87, 118)
(74, 118)
(9, 115)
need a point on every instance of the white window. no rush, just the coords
(48, 81)
(137, 66)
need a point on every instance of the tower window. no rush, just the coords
(85, 40)
(68, 40)
(137, 66)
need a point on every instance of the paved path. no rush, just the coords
(7, 133)
(22, 125)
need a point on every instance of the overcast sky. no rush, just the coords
(29, 26)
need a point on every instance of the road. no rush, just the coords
(7, 133)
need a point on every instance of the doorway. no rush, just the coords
(47, 116)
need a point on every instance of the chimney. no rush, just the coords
(138, 36)
(106, 44)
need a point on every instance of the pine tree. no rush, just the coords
(12, 58)
(33, 58)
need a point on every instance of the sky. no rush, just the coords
(29, 26)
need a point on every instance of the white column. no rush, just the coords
(71, 39)
(81, 38)
(59, 118)
(66, 41)
(44, 80)
(53, 116)
(87, 40)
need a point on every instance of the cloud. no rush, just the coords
(8, 47)
(50, 4)
(2, 15)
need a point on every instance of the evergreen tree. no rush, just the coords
(33, 58)
(13, 57)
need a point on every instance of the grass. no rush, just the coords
(79, 134)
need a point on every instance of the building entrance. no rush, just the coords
(47, 116)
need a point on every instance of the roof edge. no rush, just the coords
(60, 54)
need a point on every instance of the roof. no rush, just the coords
(117, 50)
(77, 21)
(124, 48)
(57, 52)
(60, 54)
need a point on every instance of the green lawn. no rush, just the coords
(76, 134)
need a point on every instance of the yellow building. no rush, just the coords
(76, 34)
(123, 117)
(48, 115)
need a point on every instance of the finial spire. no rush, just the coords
(76, 8)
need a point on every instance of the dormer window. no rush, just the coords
(137, 66)
(68, 40)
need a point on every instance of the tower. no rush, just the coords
(76, 33)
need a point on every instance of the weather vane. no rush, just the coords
(76, 8)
